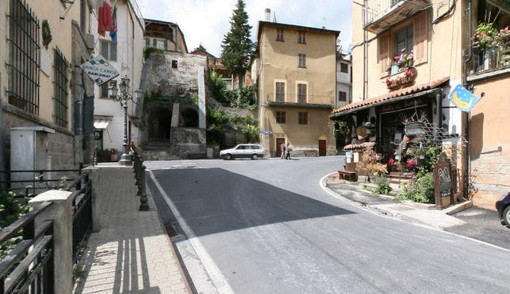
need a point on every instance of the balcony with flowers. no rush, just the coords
(401, 72)
(490, 42)
(491, 49)
(382, 14)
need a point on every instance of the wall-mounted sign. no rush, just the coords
(463, 99)
(99, 70)
(266, 132)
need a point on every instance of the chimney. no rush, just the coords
(268, 15)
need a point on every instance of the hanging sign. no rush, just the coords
(99, 70)
(463, 99)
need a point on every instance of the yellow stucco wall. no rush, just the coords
(490, 142)
(60, 17)
(279, 63)
(443, 55)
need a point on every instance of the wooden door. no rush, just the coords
(322, 147)
(279, 142)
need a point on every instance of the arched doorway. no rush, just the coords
(159, 125)
(188, 118)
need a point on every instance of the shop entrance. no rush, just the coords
(392, 127)
(279, 142)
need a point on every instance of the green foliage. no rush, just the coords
(104, 155)
(62, 181)
(218, 87)
(218, 121)
(251, 133)
(11, 209)
(245, 98)
(237, 45)
(148, 51)
(421, 190)
(431, 156)
(383, 185)
(343, 127)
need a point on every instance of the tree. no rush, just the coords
(237, 45)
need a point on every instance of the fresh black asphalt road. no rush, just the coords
(267, 226)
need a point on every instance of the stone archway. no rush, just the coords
(188, 117)
(159, 124)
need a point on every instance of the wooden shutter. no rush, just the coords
(420, 39)
(384, 52)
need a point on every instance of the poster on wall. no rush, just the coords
(463, 99)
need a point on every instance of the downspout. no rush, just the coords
(365, 53)
(468, 114)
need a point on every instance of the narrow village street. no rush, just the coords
(267, 226)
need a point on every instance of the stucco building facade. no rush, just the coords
(295, 70)
(125, 53)
(408, 58)
(44, 93)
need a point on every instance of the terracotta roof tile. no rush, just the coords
(392, 95)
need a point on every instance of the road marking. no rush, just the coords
(213, 272)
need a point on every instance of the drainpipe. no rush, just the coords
(365, 53)
(467, 158)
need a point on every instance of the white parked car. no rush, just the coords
(253, 151)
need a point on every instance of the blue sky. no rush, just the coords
(207, 21)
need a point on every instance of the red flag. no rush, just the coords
(104, 17)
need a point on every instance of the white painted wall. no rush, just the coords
(129, 63)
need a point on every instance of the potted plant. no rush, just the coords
(486, 40)
(503, 37)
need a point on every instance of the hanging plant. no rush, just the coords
(46, 33)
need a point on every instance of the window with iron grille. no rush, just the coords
(61, 86)
(301, 93)
(24, 61)
(281, 117)
(280, 92)
(302, 60)
(303, 118)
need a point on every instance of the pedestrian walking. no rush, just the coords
(282, 148)
(289, 149)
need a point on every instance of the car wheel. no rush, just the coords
(228, 157)
(506, 216)
(254, 157)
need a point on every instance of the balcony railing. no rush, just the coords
(486, 60)
(296, 99)
(382, 14)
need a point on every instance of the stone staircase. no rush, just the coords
(158, 150)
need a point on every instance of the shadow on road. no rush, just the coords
(216, 200)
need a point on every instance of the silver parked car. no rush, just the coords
(253, 151)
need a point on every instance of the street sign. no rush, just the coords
(264, 132)
(99, 70)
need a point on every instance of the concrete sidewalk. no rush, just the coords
(406, 210)
(132, 252)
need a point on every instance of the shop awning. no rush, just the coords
(402, 94)
(101, 123)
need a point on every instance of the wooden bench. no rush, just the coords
(348, 175)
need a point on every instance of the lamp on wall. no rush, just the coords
(123, 97)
